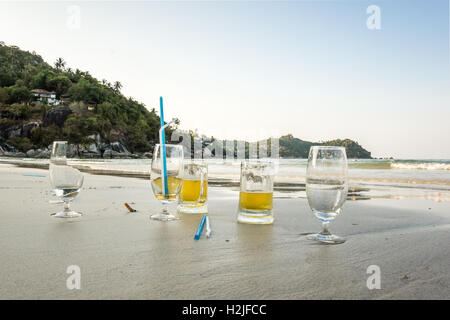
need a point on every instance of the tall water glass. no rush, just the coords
(326, 187)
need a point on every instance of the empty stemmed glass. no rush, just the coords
(326, 187)
(65, 180)
(166, 191)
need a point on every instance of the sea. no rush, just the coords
(368, 178)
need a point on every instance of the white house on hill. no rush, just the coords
(45, 96)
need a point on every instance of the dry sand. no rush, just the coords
(127, 256)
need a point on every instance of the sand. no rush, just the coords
(125, 255)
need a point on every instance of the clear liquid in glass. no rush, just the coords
(326, 196)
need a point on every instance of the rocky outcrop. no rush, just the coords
(31, 153)
(115, 150)
(119, 148)
(7, 148)
(13, 131)
(43, 154)
(57, 116)
(26, 128)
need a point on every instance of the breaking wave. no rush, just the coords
(421, 166)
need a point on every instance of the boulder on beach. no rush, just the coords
(31, 153)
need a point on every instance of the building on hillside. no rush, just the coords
(46, 96)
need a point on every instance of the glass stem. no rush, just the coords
(164, 209)
(66, 205)
(325, 226)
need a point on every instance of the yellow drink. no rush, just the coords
(173, 186)
(190, 192)
(253, 201)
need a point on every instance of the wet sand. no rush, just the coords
(127, 256)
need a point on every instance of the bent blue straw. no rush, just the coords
(163, 147)
(200, 228)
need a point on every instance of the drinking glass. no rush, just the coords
(256, 194)
(166, 193)
(65, 180)
(193, 196)
(326, 187)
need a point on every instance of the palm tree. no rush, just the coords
(60, 64)
(117, 86)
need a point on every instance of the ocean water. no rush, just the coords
(371, 174)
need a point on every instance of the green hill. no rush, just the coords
(88, 109)
(291, 147)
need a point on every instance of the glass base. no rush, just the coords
(192, 210)
(67, 214)
(164, 217)
(252, 217)
(326, 238)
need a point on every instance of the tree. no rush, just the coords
(44, 136)
(18, 94)
(41, 80)
(78, 129)
(60, 64)
(3, 95)
(22, 144)
(117, 86)
(60, 84)
(136, 137)
(86, 91)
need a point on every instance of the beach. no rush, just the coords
(125, 255)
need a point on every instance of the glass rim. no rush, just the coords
(328, 147)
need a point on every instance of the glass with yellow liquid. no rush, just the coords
(256, 194)
(194, 192)
(166, 180)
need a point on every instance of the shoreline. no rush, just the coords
(357, 184)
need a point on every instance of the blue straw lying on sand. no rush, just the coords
(34, 175)
(163, 147)
(200, 228)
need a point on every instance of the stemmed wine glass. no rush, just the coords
(65, 180)
(166, 191)
(326, 187)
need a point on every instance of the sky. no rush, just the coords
(257, 69)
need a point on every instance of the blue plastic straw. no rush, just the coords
(163, 147)
(200, 228)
